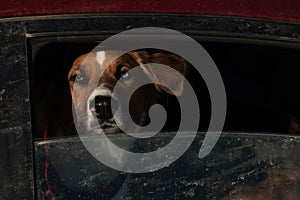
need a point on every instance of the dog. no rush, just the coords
(93, 106)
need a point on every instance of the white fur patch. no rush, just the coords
(100, 57)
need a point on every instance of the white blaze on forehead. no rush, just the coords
(100, 57)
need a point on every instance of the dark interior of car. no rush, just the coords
(260, 78)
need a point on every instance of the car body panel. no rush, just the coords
(269, 9)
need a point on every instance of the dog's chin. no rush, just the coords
(100, 126)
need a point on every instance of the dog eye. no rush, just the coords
(122, 71)
(78, 76)
(124, 74)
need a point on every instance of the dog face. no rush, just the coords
(93, 106)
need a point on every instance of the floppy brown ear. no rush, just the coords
(168, 59)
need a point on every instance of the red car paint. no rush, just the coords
(288, 10)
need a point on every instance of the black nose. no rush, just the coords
(101, 107)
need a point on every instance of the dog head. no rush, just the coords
(89, 102)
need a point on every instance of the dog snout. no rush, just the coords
(101, 107)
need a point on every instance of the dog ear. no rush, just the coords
(168, 59)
